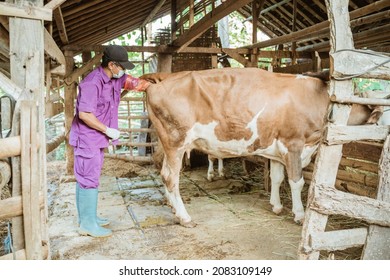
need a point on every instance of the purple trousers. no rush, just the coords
(88, 165)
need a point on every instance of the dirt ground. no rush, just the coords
(233, 215)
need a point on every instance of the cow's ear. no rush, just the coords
(376, 114)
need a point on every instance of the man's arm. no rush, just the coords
(91, 120)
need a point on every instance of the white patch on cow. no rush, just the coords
(220, 149)
(307, 154)
(301, 77)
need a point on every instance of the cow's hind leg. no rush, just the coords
(170, 173)
(296, 181)
(277, 177)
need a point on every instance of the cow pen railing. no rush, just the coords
(324, 199)
(30, 204)
(136, 143)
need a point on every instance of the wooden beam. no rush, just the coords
(337, 134)
(378, 240)
(236, 56)
(12, 207)
(54, 4)
(361, 100)
(9, 87)
(52, 49)
(25, 11)
(329, 201)
(338, 240)
(87, 67)
(59, 19)
(153, 13)
(53, 109)
(298, 35)
(360, 63)
(10, 147)
(202, 25)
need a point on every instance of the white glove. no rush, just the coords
(112, 133)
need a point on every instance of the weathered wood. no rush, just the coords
(70, 95)
(30, 180)
(329, 201)
(305, 33)
(338, 240)
(55, 142)
(236, 56)
(10, 147)
(361, 63)
(54, 4)
(74, 76)
(21, 254)
(27, 72)
(130, 158)
(12, 207)
(328, 157)
(378, 240)
(9, 87)
(59, 19)
(208, 20)
(53, 109)
(360, 100)
(152, 13)
(52, 49)
(363, 151)
(25, 11)
(337, 134)
(5, 174)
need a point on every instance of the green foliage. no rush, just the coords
(363, 85)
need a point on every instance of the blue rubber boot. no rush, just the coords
(101, 221)
(87, 208)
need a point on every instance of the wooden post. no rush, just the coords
(30, 180)
(379, 237)
(328, 157)
(70, 93)
(27, 71)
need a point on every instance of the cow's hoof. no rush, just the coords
(210, 177)
(189, 224)
(277, 209)
(299, 219)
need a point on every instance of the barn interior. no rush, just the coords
(65, 40)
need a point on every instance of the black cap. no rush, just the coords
(118, 54)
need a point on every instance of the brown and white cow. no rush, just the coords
(236, 112)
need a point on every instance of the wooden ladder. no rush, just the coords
(324, 199)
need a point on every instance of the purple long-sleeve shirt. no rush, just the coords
(100, 95)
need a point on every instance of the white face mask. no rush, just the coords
(120, 74)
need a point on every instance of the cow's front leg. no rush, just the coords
(277, 177)
(170, 173)
(296, 181)
(296, 190)
(210, 171)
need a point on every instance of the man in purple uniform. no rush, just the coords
(94, 124)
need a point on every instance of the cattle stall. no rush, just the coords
(66, 40)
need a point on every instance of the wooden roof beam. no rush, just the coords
(153, 13)
(60, 25)
(208, 20)
(25, 11)
(376, 6)
(54, 4)
(52, 49)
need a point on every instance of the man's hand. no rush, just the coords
(112, 133)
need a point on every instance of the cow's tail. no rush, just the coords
(323, 75)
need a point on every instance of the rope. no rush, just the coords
(8, 242)
(369, 52)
